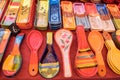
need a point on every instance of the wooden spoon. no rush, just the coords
(64, 39)
(96, 42)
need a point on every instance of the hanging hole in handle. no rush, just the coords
(33, 70)
(102, 70)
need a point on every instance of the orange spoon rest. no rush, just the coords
(96, 42)
(68, 16)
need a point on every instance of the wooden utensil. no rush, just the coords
(49, 64)
(96, 42)
(64, 39)
(13, 61)
(113, 55)
(34, 41)
(85, 61)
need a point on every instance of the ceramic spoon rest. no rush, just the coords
(68, 16)
(13, 61)
(85, 61)
(96, 42)
(107, 24)
(64, 39)
(93, 16)
(34, 41)
(114, 10)
(11, 13)
(26, 14)
(54, 15)
(4, 38)
(80, 15)
(41, 18)
(116, 38)
(49, 64)
(113, 55)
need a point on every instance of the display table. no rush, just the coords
(23, 73)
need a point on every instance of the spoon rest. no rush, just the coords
(68, 16)
(116, 38)
(85, 61)
(105, 18)
(54, 15)
(64, 39)
(93, 16)
(115, 13)
(96, 42)
(80, 15)
(3, 7)
(4, 38)
(34, 41)
(41, 18)
(49, 64)
(13, 61)
(26, 14)
(10, 14)
(113, 55)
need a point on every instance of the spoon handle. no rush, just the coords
(33, 66)
(82, 41)
(101, 65)
(66, 64)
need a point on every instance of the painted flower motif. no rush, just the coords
(65, 40)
